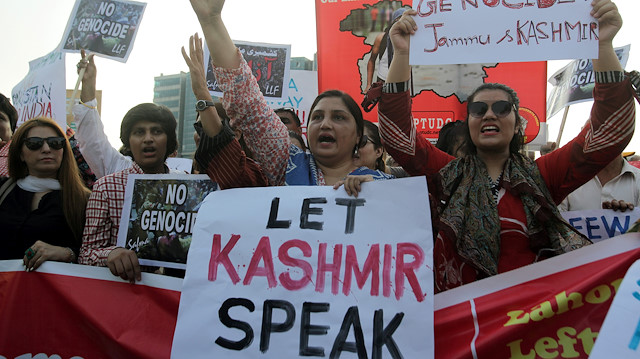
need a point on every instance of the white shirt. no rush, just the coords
(625, 186)
(95, 147)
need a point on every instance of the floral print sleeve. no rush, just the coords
(263, 131)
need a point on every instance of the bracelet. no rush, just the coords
(91, 107)
(72, 258)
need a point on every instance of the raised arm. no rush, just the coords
(223, 51)
(211, 122)
(612, 121)
(609, 23)
(94, 145)
(413, 152)
(264, 132)
(219, 152)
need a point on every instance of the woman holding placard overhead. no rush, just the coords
(42, 202)
(497, 208)
(335, 125)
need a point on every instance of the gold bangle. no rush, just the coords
(72, 258)
(91, 107)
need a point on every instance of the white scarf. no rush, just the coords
(37, 184)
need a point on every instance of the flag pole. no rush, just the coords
(73, 96)
(564, 119)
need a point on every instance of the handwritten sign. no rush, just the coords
(287, 272)
(159, 214)
(106, 28)
(574, 83)
(476, 31)
(43, 91)
(269, 64)
(303, 89)
(619, 336)
(600, 224)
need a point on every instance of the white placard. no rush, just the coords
(105, 28)
(43, 91)
(619, 335)
(252, 287)
(477, 31)
(601, 224)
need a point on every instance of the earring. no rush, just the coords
(356, 153)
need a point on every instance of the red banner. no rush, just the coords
(346, 34)
(551, 309)
(72, 310)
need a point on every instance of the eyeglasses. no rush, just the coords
(35, 143)
(364, 140)
(499, 108)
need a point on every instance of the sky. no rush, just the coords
(33, 28)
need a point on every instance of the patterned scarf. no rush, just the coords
(469, 214)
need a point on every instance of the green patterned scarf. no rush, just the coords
(469, 215)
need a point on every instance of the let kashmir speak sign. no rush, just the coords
(453, 32)
(106, 28)
(159, 214)
(296, 271)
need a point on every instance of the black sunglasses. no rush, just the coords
(35, 143)
(364, 140)
(499, 108)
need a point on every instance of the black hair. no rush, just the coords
(374, 136)
(9, 110)
(517, 142)
(348, 101)
(291, 111)
(295, 135)
(449, 136)
(153, 113)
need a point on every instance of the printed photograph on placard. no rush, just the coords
(159, 214)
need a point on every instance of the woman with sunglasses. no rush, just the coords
(497, 208)
(334, 127)
(42, 202)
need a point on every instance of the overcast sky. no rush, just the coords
(33, 28)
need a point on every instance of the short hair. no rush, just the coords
(291, 111)
(153, 113)
(9, 110)
(348, 101)
(517, 142)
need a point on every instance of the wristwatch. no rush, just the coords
(201, 105)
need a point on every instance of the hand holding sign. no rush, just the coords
(609, 20)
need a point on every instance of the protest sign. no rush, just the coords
(106, 28)
(269, 64)
(310, 271)
(550, 309)
(601, 224)
(158, 216)
(619, 336)
(460, 32)
(574, 83)
(303, 89)
(43, 91)
(65, 310)
(346, 37)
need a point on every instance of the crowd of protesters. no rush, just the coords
(494, 208)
